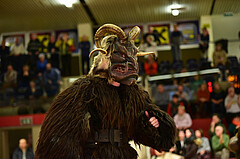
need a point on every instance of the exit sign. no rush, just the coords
(26, 121)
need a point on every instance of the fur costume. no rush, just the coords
(92, 105)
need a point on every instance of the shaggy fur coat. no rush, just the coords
(91, 104)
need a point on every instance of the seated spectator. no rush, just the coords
(25, 76)
(173, 105)
(23, 152)
(216, 121)
(33, 91)
(52, 80)
(220, 143)
(182, 119)
(235, 124)
(150, 66)
(161, 97)
(180, 143)
(10, 77)
(232, 104)
(204, 148)
(196, 83)
(41, 63)
(183, 95)
(189, 145)
(219, 56)
(217, 97)
(24, 79)
(203, 97)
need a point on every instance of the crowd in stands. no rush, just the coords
(29, 73)
(192, 144)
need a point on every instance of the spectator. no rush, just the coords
(219, 56)
(232, 104)
(220, 60)
(173, 105)
(54, 52)
(220, 143)
(85, 50)
(196, 83)
(216, 121)
(17, 49)
(23, 152)
(24, 79)
(235, 124)
(149, 44)
(161, 97)
(189, 145)
(203, 43)
(34, 46)
(180, 143)
(52, 45)
(4, 53)
(203, 97)
(176, 38)
(217, 97)
(183, 95)
(65, 55)
(204, 148)
(150, 66)
(33, 92)
(41, 63)
(52, 79)
(10, 77)
(182, 119)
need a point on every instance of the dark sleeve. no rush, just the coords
(15, 154)
(161, 138)
(192, 151)
(66, 125)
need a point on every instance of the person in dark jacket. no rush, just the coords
(34, 46)
(23, 152)
(180, 143)
(189, 145)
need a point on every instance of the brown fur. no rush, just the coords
(91, 104)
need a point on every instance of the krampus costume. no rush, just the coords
(99, 114)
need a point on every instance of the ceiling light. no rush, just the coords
(175, 12)
(67, 3)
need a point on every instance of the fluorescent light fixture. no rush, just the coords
(209, 71)
(185, 74)
(160, 77)
(175, 12)
(67, 3)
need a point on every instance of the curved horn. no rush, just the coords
(146, 53)
(133, 34)
(98, 49)
(108, 28)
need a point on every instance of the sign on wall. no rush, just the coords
(160, 33)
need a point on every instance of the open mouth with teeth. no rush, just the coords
(124, 71)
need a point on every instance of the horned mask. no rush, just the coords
(117, 54)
